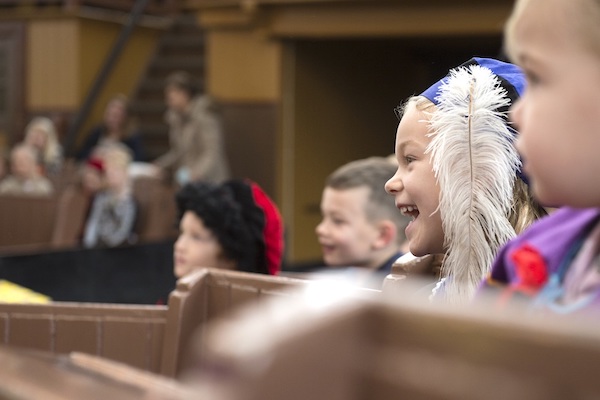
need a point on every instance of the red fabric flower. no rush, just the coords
(531, 269)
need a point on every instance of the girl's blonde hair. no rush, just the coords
(52, 152)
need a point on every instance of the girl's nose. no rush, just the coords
(394, 184)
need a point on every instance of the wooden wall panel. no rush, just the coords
(52, 64)
(243, 66)
(251, 142)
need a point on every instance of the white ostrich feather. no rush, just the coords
(475, 163)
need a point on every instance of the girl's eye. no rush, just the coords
(409, 159)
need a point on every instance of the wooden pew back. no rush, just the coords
(152, 338)
(206, 295)
(26, 220)
(376, 350)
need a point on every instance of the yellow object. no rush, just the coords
(13, 293)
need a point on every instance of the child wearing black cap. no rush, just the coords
(233, 225)
(458, 176)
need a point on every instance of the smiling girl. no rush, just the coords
(459, 173)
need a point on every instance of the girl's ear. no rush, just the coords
(387, 232)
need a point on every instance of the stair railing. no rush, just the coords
(109, 63)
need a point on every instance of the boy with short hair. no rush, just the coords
(361, 226)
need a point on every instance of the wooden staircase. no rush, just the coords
(181, 47)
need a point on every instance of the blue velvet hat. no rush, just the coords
(511, 78)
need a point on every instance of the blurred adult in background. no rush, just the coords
(117, 126)
(25, 173)
(40, 133)
(195, 133)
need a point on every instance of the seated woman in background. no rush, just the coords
(40, 133)
(25, 176)
(233, 225)
(113, 213)
(117, 127)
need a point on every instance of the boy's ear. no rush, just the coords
(387, 234)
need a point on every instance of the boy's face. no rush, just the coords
(196, 247)
(558, 117)
(346, 236)
(414, 185)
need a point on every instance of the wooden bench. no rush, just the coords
(349, 349)
(152, 338)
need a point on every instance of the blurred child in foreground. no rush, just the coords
(554, 265)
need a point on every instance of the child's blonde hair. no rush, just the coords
(582, 15)
(116, 154)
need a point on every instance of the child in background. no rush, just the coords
(458, 176)
(361, 226)
(233, 225)
(25, 176)
(74, 204)
(555, 263)
(40, 133)
(113, 212)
